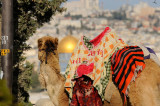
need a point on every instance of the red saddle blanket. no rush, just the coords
(126, 63)
(84, 93)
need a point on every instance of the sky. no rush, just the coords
(116, 4)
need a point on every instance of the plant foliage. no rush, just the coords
(28, 16)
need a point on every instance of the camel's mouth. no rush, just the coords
(49, 47)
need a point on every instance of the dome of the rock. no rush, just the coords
(67, 44)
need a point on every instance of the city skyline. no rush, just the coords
(136, 24)
(116, 4)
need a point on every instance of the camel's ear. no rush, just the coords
(39, 43)
(56, 41)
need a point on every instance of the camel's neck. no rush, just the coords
(57, 80)
(53, 62)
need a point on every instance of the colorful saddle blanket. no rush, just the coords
(125, 64)
(149, 54)
(95, 55)
(84, 93)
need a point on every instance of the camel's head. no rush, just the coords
(46, 46)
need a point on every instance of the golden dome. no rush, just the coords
(67, 44)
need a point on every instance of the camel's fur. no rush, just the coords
(143, 92)
(50, 77)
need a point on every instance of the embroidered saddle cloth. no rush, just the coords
(95, 53)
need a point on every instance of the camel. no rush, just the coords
(143, 92)
(50, 77)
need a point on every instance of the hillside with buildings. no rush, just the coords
(134, 24)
